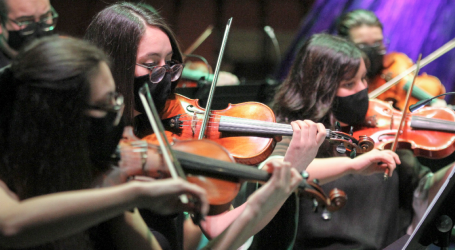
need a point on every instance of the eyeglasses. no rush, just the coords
(114, 109)
(157, 73)
(378, 45)
(46, 23)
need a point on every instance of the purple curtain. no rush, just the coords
(412, 26)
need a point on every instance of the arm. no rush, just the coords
(305, 142)
(260, 207)
(375, 161)
(45, 218)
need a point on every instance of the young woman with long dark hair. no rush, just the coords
(327, 83)
(144, 51)
(60, 123)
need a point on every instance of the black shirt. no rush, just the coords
(376, 213)
(4, 60)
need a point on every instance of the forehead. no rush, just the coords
(154, 41)
(365, 34)
(19, 8)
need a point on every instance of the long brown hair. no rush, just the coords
(117, 30)
(310, 88)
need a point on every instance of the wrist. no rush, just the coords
(134, 194)
(352, 166)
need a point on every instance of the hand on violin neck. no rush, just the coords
(140, 160)
(306, 140)
(375, 161)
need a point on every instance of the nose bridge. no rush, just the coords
(162, 61)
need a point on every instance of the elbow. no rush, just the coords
(9, 233)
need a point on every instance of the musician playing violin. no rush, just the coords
(327, 83)
(363, 28)
(146, 52)
(57, 133)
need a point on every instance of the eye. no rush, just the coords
(25, 22)
(150, 65)
(348, 85)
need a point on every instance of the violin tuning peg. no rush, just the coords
(351, 131)
(353, 153)
(315, 205)
(341, 148)
(337, 126)
(326, 215)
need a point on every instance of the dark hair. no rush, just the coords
(118, 30)
(3, 12)
(311, 86)
(45, 143)
(356, 18)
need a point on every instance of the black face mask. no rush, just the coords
(104, 137)
(16, 40)
(351, 109)
(375, 56)
(160, 91)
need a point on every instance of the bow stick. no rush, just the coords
(215, 79)
(431, 57)
(403, 116)
(171, 161)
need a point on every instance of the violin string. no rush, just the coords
(272, 124)
(440, 121)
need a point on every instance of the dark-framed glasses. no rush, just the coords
(156, 73)
(114, 109)
(379, 45)
(46, 23)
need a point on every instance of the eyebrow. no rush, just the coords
(47, 13)
(33, 17)
(156, 54)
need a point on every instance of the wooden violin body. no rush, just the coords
(250, 150)
(429, 132)
(247, 130)
(394, 63)
(211, 167)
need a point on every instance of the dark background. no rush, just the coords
(249, 53)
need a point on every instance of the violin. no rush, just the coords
(247, 130)
(220, 193)
(394, 63)
(429, 132)
(211, 167)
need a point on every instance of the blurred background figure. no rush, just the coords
(21, 22)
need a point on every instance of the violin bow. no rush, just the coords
(170, 159)
(403, 116)
(431, 57)
(199, 40)
(214, 81)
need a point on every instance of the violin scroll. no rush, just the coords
(335, 201)
(347, 143)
